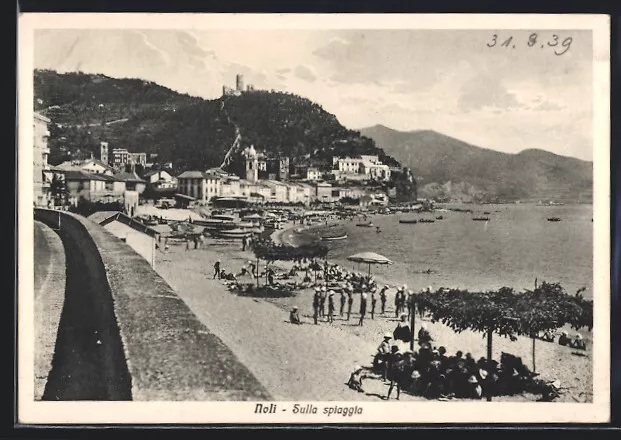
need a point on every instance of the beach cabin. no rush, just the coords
(136, 234)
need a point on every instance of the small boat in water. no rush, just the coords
(480, 219)
(409, 222)
(487, 213)
(365, 225)
(426, 220)
(439, 217)
(554, 219)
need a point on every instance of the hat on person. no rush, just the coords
(331, 292)
(386, 286)
(387, 336)
(415, 374)
(472, 379)
(395, 346)
(295, 307)
(578, 336)
(564, 333)
(323, 288)
(435, 351)
(483, 373)
(408, 351)
(556, 383)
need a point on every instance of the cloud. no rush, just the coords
(547, 106)
(483, 91)
(306, 73)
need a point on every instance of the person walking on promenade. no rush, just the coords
(373, 302)
(363, 307)
(216, 268)
(331, 306)
(316, 298)
(383, 298)
(350, 301)
(187, 244)
(343, 301)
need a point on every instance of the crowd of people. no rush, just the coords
(432, 373)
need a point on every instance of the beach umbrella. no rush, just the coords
(369, 258)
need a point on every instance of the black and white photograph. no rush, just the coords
(302, 219)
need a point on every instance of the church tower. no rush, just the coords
(103, 152)
(252, 164)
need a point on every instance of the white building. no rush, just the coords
(367, 166)
(40, 152)
(200, 185)
(313, 173)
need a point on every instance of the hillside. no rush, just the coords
(191, 132)
(447, 167)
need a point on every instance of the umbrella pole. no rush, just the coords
(369, 269)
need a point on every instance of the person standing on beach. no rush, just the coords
(244, 243)
(322, 301)
(343, 301)
(373, 302)
(350, 301)
(383, 298)
(331, 306)
(397, 301)
(316, 297)
(363, 307)
(216, 268)
(410, 303)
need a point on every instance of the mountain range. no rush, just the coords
(446, 167)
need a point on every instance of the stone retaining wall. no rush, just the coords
(152, 347)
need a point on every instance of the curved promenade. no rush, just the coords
(124, 333)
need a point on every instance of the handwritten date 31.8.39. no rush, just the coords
(559, 44)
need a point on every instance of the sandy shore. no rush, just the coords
(314, 361)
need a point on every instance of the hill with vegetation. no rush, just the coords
(190, 132)
(447, 168)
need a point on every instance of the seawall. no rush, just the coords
(125, 334)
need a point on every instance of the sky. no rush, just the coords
(501, 97)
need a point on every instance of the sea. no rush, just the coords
(516, 247)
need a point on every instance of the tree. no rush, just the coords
(507, 312)
(59, 191)
(405, 185)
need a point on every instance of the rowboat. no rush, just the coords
(340, 237)
(554, 219)
(232, 233)
(480, 219)
(409, 222)
(426, 220)
(365, 225)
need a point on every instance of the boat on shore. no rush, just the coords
(339, 237)
(480, 219)
(409, 222)
(237, 233)
(554, 219)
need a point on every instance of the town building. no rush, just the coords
(313, 174)
(94, 166)
(365, 167)
(40, 153)
(202, 186)
(161, 179)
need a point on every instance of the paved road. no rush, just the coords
(49, 294)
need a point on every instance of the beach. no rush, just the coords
(313, 362)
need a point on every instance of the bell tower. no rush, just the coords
(252, 164)
(103, 152)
